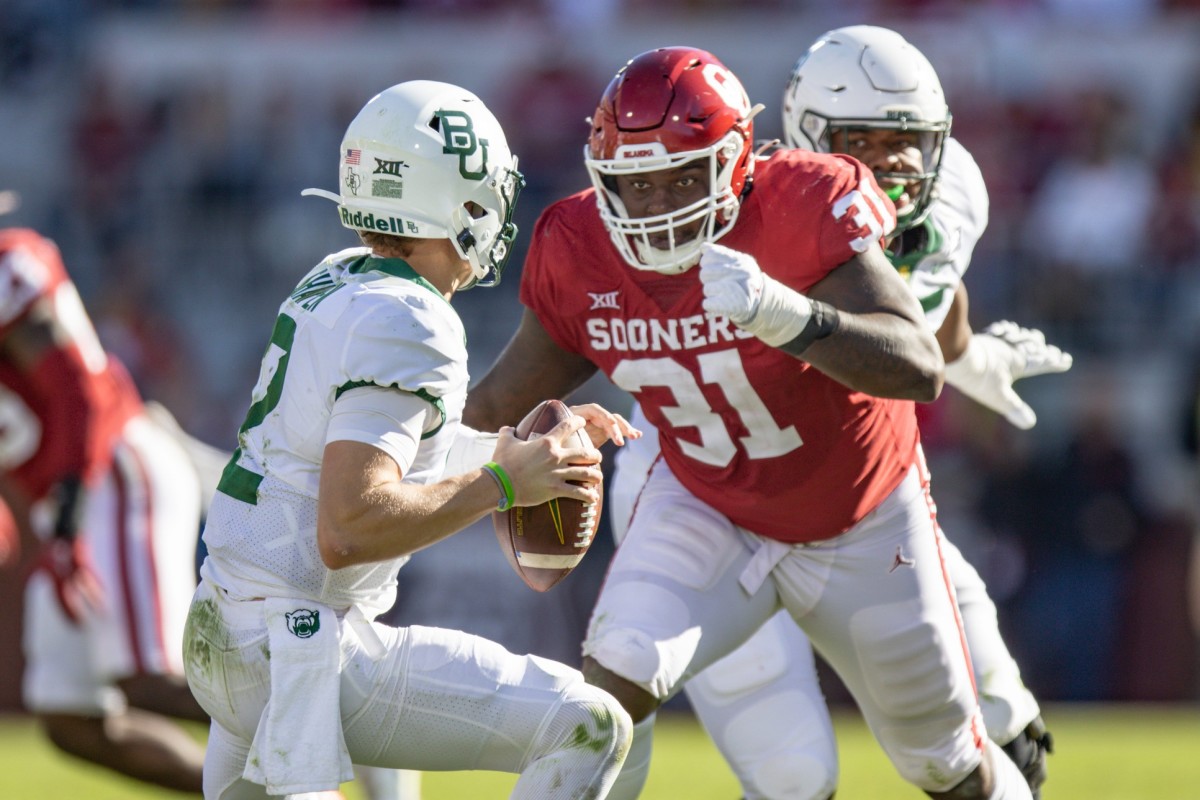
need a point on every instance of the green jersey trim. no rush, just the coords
(928, 241)
(397, 268)
(239, 482)
(424, 394)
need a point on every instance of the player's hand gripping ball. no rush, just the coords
(544, 543)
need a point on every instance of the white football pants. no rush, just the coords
(762, 704)
(412, 698)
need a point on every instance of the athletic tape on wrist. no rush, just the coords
(782, 315)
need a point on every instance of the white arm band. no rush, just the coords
(469, 450)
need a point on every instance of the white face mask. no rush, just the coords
(635, 238)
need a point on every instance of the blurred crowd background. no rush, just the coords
(164, 143)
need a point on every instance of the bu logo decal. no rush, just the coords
(303, 622)
(458, 130)
(604, 300)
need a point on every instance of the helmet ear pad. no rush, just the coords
(663, 109)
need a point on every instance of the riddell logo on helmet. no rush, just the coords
(394, 225)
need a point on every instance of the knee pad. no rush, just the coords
(764, 709)
(662, 587)
(781, 747)
(791, 776)
(635, 656)
(776, 649)
(904, 661)
(654, 662)
(918, 694)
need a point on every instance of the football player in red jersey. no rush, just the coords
(866, 91)
(116, 502)
(780, 367)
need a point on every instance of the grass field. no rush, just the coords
(1102, 753)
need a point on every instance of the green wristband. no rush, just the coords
(505, 483)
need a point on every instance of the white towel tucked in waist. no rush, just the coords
(299, 746)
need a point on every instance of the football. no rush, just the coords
(544, 543)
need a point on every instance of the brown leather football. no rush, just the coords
(544, 543)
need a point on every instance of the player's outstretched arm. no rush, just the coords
(532, 368)
(860, 324)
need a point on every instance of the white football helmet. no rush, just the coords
(412, 159)
(868, 78)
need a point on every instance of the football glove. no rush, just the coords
(735, 287)
(65, 562)
(996, 358)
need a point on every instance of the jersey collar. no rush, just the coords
(396, 267)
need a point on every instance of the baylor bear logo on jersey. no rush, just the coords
(459, 133)
(303, 622)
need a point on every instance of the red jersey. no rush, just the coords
(60, 415)
(774, 444)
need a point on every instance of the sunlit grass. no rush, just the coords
(1102, 753)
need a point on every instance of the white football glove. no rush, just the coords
(735, 287)
(995, 359)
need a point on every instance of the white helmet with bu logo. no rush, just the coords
(868, 78)
(413, 158)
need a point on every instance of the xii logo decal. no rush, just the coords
(388, 167)
(604, 300)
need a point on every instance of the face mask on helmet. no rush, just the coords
(427, 160)
(666, 109)
(857, 81)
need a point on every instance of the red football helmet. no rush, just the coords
(664, 109)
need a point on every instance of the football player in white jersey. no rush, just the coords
(338, 479)
(865, 91)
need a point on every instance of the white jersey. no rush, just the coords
(355, 320)
(935, 255)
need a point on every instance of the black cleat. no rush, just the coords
(1028, 751)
